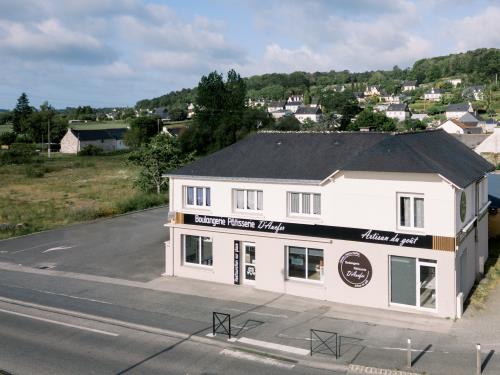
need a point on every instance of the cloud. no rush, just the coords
(471, 32)
(49, 40)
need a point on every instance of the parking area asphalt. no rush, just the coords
(127, 247)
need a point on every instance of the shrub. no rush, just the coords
(34, 171)
(7, 138)
(90, 150)
(141, 202)
(19, 153)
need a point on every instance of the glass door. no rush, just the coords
(427, 285)
(249, 264)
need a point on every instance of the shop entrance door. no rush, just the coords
(249, 262)
(426, 282)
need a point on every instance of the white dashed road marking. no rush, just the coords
(57, 249)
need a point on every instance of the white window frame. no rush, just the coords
(195, 205)
(245, 200)
(311, 204)
(199, 264)
(306, 278)
(412, 226)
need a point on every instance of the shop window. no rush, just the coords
(411, 211)
(248, 200)
(304, 204)
(198, 250)
(197, 196)
(304, 263)
(413, 282)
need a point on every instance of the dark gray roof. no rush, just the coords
(294, 103)
(397, 107)
(469, 118)
(409, 83)
(471, 140)
(457, 107)
(308, 111)
(315, 156)
(434, 91)
(98, 134)
(279, 103)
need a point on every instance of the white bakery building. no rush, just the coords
(390, 221)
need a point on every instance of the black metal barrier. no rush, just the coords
(221, 320)
(327, 342)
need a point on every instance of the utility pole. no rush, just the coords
(48, 138)
(158, 122)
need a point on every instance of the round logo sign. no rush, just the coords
(355, 269)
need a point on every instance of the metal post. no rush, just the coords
(311, 341)
(229, 326)
(478, 359)
(213, 324)
(48, 138)
(408, 353)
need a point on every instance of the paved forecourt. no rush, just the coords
(128, 247)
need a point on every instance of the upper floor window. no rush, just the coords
(248, 200)
(197, 196)
(304, 204)
(411, 211)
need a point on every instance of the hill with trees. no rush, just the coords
(478, 67)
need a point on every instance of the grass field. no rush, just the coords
(72, 189)
(5, 128)
(92, 125)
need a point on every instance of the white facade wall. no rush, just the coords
(367, 200)
(303, 117)
(451, 127)
(458, 114)
(69, 143)
(398, 115)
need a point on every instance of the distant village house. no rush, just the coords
(106, 139)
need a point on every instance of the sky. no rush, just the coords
(108, 53)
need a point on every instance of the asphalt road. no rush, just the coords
(128, 247)
(38, 342)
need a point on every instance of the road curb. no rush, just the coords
(359, 369)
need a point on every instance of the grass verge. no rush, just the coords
(491, 278)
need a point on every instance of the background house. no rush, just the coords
(455, 126)
(274, 106)
(399, 112)
(409, 86)
(434, 95)
(106, 139)
(457, 110)
(311, 113)
(292, 106)
(455, 81)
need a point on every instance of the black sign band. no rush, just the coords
(312, 230)
(237, 263)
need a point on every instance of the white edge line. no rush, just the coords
(272, 345)
(256, 358)
(60, 323)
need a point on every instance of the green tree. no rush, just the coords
(412, 124)
(221, 108)
(21, 114)
(141, 130)
(343, 104)
(368, 118)
(160, 156)
(287, 123)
